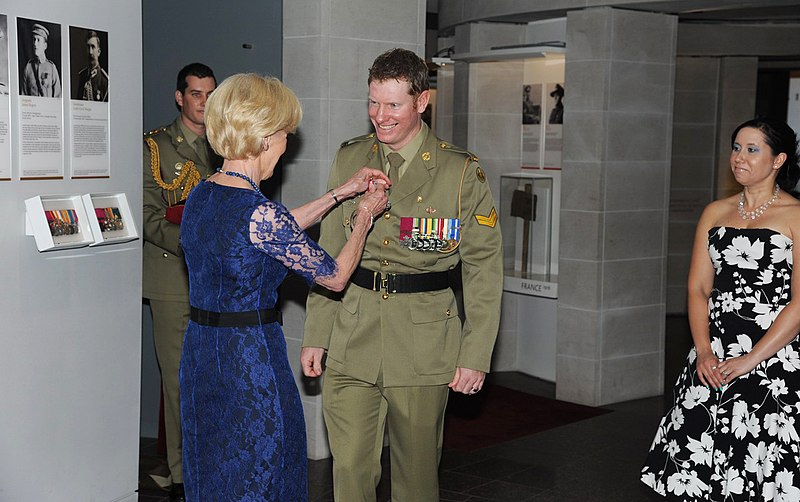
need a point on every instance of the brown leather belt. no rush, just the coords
(400, 283)
(235, 319)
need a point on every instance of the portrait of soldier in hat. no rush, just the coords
(40, 75)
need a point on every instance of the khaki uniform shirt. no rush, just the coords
(164, 274)
(41, 79)
(412, 339)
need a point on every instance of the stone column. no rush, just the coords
(620, 69)
(713, 95)
(328, 47)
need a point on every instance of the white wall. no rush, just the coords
(71, 319)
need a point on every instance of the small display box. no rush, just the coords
(526, 216)
(110, 218)
(57, 222)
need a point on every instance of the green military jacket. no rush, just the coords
(412, 339)
(164, 274)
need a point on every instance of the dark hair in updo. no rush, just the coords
(781, 139)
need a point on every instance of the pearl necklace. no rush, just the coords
(244, 177)
(752, 215)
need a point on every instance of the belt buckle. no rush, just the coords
(385, 282)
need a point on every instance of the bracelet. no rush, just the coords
(353, 216)
(333, 194)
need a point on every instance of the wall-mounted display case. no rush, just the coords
(74, 221)
(57, 222)
(110, 218)
(526, 216)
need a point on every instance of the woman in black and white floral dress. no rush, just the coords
(733, 433)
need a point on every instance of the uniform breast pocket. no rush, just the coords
(436, 333)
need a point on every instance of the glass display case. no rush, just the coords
(526, 218)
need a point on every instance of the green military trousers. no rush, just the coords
(356, 415)
(170, 319)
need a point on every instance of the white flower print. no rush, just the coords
(744, 254)
(701, 450)
(716, 258)
(650, 480)
(729, 303)
(782, 426)
(790, 358)
(782, 249)
(767, 312)
(676, 418)
(716, 346)
(758, 461)
(764, 277)
(743, 422)
(695, 395)
(742, 346)
(673, 448)
(686, 482)
(740, 443)
(733, 483)
(783, 489)
(778, 387)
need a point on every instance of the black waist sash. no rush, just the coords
(235, 319)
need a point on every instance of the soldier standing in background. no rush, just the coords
(176, 158)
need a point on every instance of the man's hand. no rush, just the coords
(467, 381)
(311, 361)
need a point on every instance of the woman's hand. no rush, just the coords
(373, 202)
(734, 367)
(707, 369)
(361, 181)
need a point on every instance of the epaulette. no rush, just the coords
(448, 147)
(154, 131)
(359, 139)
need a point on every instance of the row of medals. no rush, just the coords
(428, 243)
(59, 226)
(111, 222)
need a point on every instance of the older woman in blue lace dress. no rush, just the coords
(243, 429)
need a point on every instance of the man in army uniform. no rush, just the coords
(176, 158)
(394, 339)
(40, 76)
(92, 80)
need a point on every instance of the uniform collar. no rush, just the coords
(188, 134)
(409, 151)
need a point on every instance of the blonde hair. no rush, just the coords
(245, 109)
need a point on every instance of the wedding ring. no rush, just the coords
(474, 390)
(713, 367)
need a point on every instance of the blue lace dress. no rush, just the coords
(242, 420)
(740, 443)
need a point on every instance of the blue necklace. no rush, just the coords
(244, 177)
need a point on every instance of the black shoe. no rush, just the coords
(176, 493)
